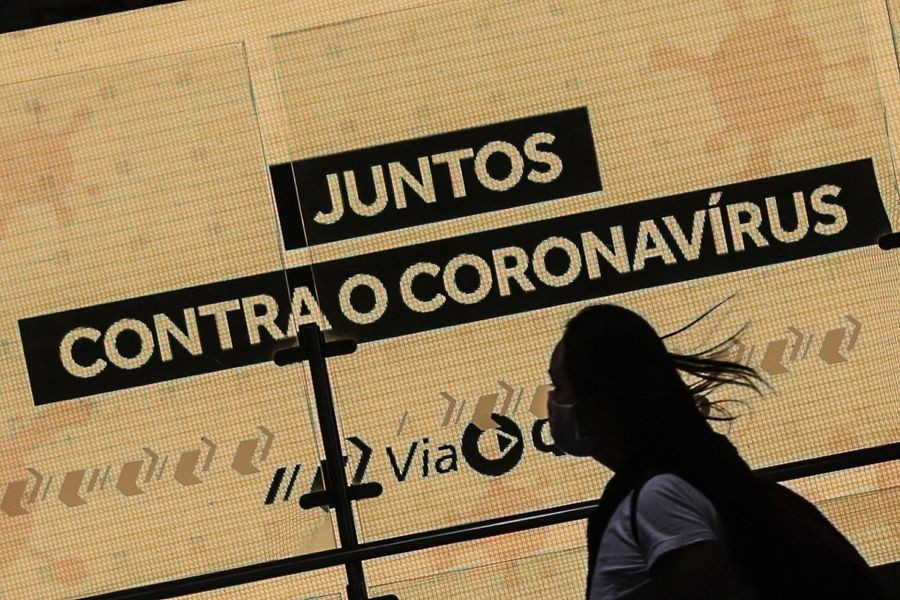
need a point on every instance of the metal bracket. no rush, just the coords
(890, 241)
(361, 491)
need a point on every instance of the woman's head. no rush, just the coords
(616, 380)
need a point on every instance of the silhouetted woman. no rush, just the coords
(700, 528)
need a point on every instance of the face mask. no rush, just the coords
(565, 431)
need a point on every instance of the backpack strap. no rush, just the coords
(634, 501)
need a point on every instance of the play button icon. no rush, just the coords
(508, 439)
(505, 442)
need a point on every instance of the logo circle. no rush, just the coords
(509, 438)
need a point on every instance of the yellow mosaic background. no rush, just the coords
(133, 153)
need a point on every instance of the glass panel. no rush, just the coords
(542, 563)
(870, 522)
(314, 585)
(457, 165)
(863, 503)
(145, 427)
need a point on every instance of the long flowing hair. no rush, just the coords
(613, 351)
(713, 368)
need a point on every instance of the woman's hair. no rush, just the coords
(611, 351)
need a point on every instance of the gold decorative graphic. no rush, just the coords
(835, 347)
(481, 416)
(767, 77)
(18, 506)
(128, 482)
(484, 406)
(243, 457)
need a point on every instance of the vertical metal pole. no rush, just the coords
(312, 345)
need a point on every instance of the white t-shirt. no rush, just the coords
(671, 514)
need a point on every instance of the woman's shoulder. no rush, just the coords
(666, 481)
(669, 489)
